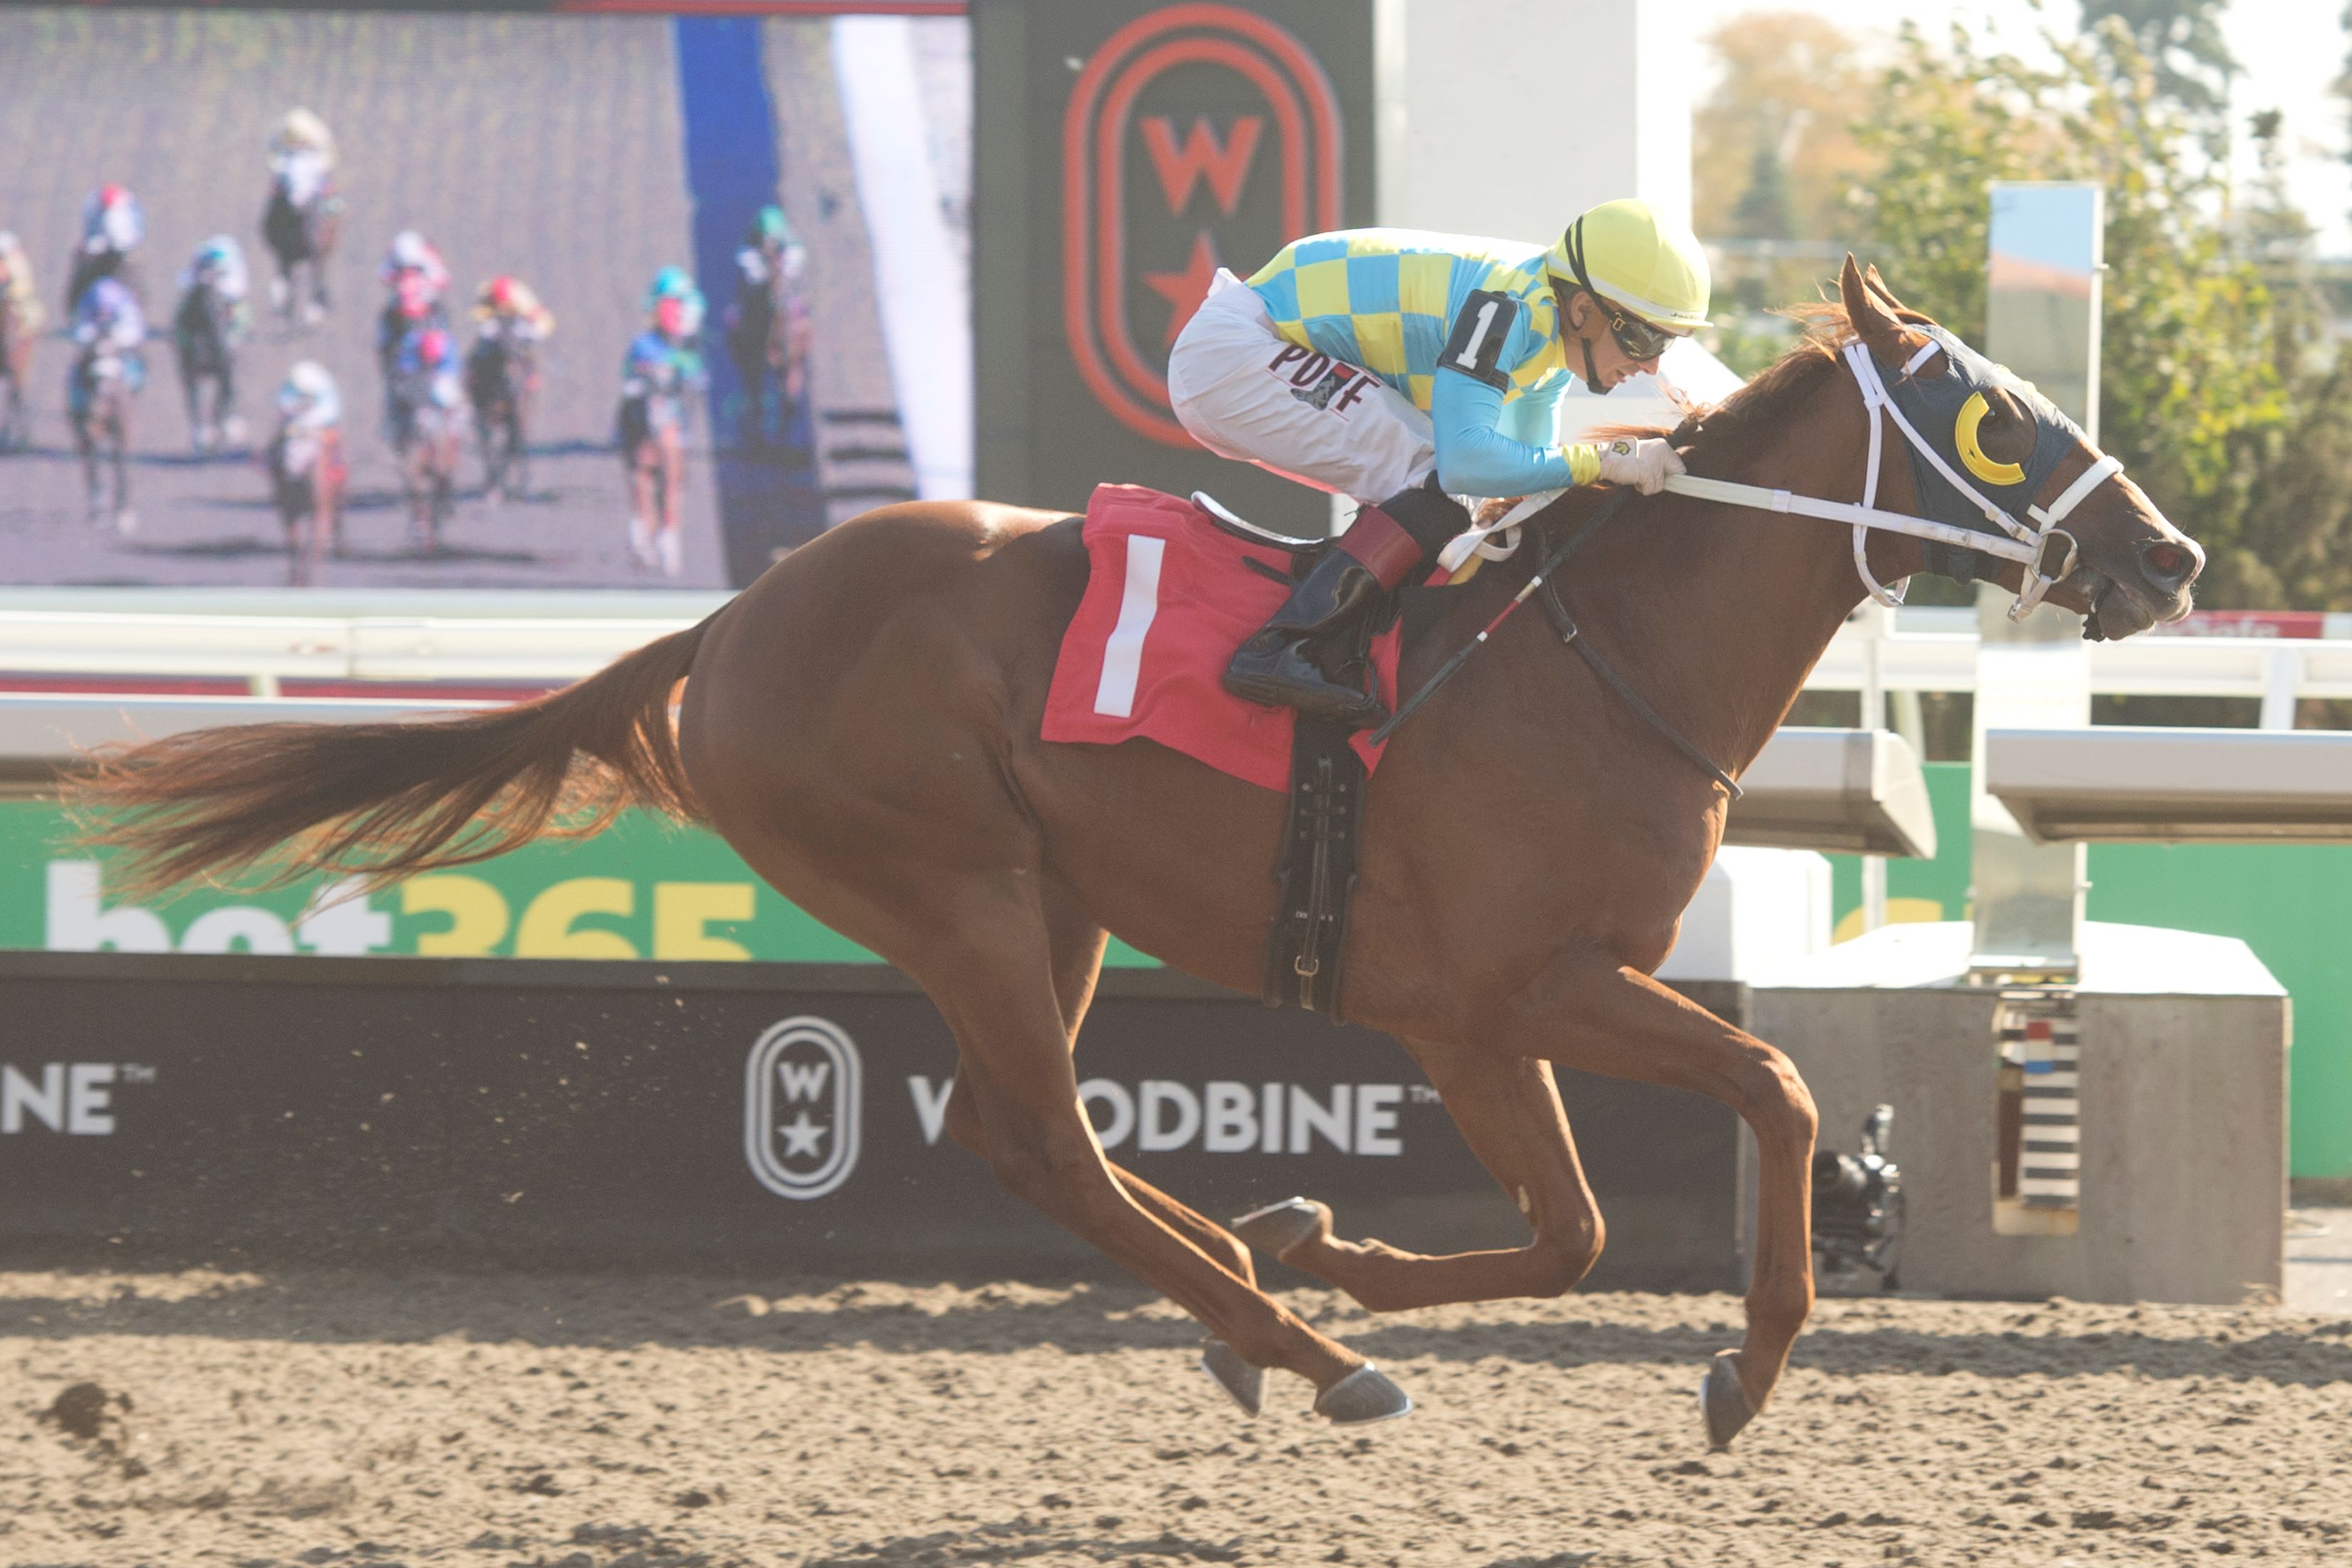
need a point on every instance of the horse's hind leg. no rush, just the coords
(1015, 1065)
(1510, 1113)
(1077, 950)
(119, 437)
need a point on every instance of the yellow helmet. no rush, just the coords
(1625, 253)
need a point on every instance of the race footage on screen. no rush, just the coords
(438, 300)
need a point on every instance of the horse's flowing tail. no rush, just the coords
(386, 801)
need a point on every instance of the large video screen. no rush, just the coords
(455, 301)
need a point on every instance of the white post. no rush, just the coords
(2282, 667)
(1873, 621)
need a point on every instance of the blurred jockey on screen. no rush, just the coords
(662, 366)
(1404, 368)
(308, 399)
(506, 307)
(418, 277)
(301, 156)
(16, 285)
(219, 262)
(112, 227)
(109, 319)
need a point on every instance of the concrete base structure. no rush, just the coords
(2183, 1120)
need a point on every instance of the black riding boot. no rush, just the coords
(1279, 667)
(1289, 662)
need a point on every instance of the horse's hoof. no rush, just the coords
(1722, 1402)
(1245, 1383)
(1367, 1394)
(1278, 1228)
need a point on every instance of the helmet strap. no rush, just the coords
(1591, 371)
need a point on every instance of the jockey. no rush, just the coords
(411, 264)
(1402, 369)
(301, 156)
(505, 307)
(109, 319)
(220, 262)
(418, 277)
(308, 400)
(108, 324)
(769, 251)
(112, 224)
(111, 220)
(767, 323)
(423, 371)
(16, 284)
(662, 363)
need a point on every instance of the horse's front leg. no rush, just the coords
(86, 445)
(1586, 1012)
(1509, 1113)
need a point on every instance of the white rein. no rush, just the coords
(2027, 545)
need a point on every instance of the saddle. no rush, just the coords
(1174, 586)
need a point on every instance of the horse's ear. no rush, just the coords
(1903, 312)
(1874, 319)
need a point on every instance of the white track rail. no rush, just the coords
(1930, 650)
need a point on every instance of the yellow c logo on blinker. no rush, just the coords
(1964, 433)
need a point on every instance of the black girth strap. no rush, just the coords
(1316, 870)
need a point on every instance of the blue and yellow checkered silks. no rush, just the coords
(1385, 300)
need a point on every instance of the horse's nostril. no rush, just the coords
(2166, 562)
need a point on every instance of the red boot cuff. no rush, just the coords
(1381, 545)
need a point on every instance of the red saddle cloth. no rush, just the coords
(1168, 600)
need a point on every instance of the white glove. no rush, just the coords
(1643, 462)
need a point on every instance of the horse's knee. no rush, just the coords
(1559, 1258)
(1038, 1172)
(1774, 1097)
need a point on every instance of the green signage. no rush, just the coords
(642, 890)
(647, 890)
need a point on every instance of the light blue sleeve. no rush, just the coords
(1474, 456)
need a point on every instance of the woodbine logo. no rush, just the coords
(73, 1097)
(802, 1096)
(1223, 1117)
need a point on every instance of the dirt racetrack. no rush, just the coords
(600, 1423)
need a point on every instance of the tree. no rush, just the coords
(1790, 84)
(2290, 548)
(1764, 211)
(2181, 42)
(2203, 367)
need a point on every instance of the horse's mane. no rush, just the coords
(1731, 428)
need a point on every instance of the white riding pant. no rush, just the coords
(1245, 391)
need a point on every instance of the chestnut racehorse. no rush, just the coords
(862, 726)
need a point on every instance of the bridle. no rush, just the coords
(2049, 551)
(2028, 542)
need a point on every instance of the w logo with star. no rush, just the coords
(1198, 136)
(801, 1097)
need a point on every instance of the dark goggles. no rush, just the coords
(1638, 337)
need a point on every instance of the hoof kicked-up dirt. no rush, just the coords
(533, 1422)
